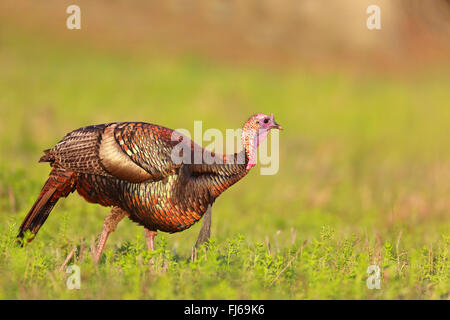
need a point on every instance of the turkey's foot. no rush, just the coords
(150, 238)
(110, 224)
(205, 231)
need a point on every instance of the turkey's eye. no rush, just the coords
(257, 121)
(266, 120)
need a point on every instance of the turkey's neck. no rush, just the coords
(220, 177)
(251, 139)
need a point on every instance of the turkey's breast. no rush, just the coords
(169, 205)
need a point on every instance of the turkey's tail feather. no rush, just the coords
(59, 184)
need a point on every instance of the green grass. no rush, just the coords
(364, 179)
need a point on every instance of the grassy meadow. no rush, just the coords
(364, 178)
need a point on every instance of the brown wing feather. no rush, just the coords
(78, 151)
(130, 151)
(148, 146)
(116, 162)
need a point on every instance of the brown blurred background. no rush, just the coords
(316, 33)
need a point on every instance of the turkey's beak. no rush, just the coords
(275, 125)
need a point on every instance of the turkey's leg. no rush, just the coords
(205, 231)
(149, 237)
(110, 224)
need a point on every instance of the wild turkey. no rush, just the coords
(130, 166)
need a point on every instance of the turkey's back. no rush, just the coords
(129, 165)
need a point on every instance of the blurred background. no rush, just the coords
(366, 112)
(315, 33)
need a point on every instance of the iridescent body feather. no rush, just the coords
(130, 167)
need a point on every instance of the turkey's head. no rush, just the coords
(255, 130)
